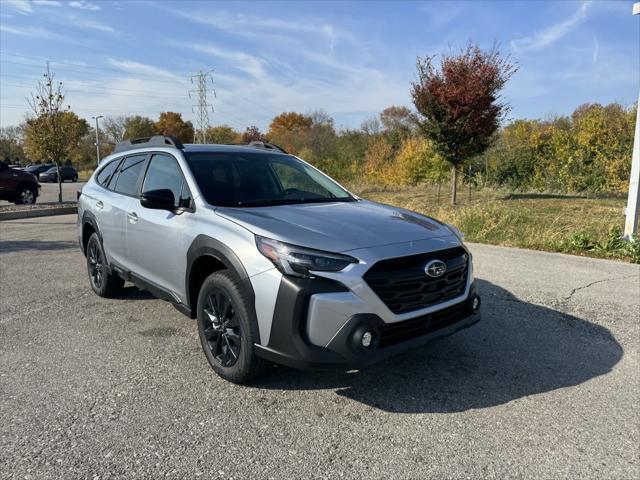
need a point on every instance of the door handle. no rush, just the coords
(133, 217)
(99, 205)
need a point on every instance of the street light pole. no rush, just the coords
(633, 200)
(97, 137)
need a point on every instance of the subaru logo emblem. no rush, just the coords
(435, 268)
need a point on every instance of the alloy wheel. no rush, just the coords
(221, 329)
(96, 265)
(27, 197)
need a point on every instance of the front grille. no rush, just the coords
(403, 286)
(392, 333)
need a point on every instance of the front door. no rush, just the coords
(156, 237)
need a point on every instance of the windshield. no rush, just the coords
(259, 179)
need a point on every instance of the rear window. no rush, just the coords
(128, 175)
(107, 172)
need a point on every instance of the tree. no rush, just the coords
(252, 134)
(223, 134)
(113, 130)
(371, 126)
(286, 123)
(377, 159)
(289, 130)
(397, 123)
(320, 137)
(396, 118)
(11, 139)
(138, 127)
(53, 129)
(171, 123)
(459, 105)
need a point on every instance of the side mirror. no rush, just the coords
(161, 199)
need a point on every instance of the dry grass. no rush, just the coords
(83, 175)
(561, 223)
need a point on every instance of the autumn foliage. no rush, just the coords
(458, 102)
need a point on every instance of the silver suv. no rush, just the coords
(277, 262)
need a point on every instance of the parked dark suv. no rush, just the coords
(17, 186)
(66, 173)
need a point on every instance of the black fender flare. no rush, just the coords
(204, 245)
(90, 218)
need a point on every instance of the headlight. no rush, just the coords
(455, 231)
(299, 261)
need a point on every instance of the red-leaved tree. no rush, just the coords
(458, 103)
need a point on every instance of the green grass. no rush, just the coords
(579, 225)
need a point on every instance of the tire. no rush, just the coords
(227, 332)
(26, 196)
(75, 179)
(102, 282)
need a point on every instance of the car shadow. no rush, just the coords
(7, 246)
(131, 292)
(517, 350)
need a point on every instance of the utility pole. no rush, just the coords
(96, 118)
(202, 82)
(633, 200)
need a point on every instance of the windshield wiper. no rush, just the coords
(290, 201)
(266, 201)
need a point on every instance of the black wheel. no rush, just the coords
(226, 330)
(26, 196)
(102, 282)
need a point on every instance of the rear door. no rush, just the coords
(156, 239)
(116, 203)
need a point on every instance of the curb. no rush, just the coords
(43, 212)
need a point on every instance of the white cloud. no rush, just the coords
(34, 32)
(84, 5)
(266, 28)
(240, 60)
(47, 3)
(262, 88)
(21, 6)
(552, 34)
(93, 25)
(138, 68)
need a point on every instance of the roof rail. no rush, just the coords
(155, 141)
(266, 146)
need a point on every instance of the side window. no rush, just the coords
(107, 172)
(128, 175)
(164, 173)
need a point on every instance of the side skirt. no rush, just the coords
(153, 289)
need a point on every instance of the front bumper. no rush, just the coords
(289, 340)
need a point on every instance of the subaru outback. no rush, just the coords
(276, 261)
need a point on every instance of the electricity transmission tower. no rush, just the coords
(203, 86)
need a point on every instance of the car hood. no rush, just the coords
(22, 173)
(336, 226)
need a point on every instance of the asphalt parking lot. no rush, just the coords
(49, 193)
(546, 386)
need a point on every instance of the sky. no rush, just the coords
(350, 59)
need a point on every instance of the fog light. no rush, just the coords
(366, 339)
(475, 305)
